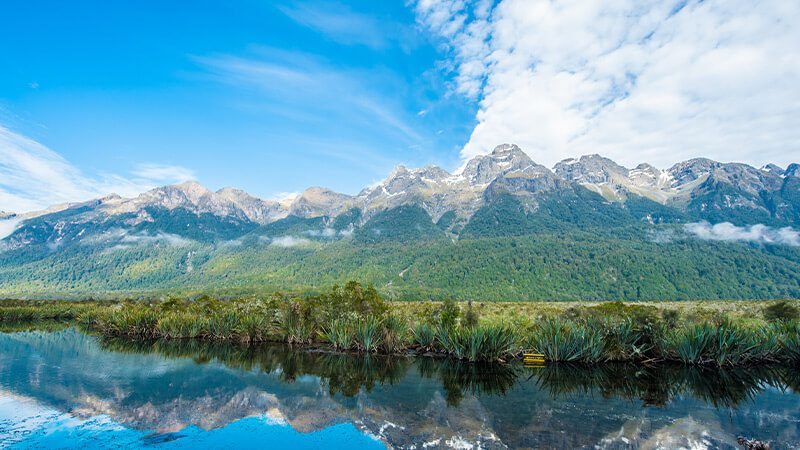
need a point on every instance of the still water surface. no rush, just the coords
(65, 389)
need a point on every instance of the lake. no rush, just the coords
(67, 389)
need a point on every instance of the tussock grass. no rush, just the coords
(355, 318)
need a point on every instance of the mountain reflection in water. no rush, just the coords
(179, 393)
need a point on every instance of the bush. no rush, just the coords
(670, 317)
(448, 314)
(781, 311)
(471, 316)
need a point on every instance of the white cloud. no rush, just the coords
(289, 241)
(325, 232)
(176, 174)
(345, 26)
(148, 239)
(726, 231)
(656, 81)
(7, 226)
(126, 239)
(305, 87)
(33, 177)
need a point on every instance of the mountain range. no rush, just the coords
(502, 227)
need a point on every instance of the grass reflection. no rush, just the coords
(348, 374)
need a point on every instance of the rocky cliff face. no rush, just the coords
(193, 197)
(317, 202)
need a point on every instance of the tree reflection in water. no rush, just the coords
(348, 374)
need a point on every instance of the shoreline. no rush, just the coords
(356, 318)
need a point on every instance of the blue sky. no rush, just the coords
(265, 96)
(276, 96)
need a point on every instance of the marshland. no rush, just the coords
(347, 368)
(354, 318)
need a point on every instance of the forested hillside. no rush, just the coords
(504, 228)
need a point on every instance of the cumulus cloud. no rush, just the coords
(126, 239)
(655, 81)
(289, 241)
(33, 176)
(164, 238)
(7, 226)
(325, 232)
(761, 234)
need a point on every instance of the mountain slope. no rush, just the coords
(502, 228)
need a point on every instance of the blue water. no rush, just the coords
(65, 389)
(26, 424)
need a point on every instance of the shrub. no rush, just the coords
(781, 311)
(670, 317)
(448, 314)
(471, 316)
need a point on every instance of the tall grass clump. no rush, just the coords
(253, 328)
(223, 325)
(565, 341)
(424, 336)
(296, 327)
(136, 321)
(395, 332)
(790, 344)
(180, 325)
(723, 344)
(625, 341)
(480, 343)
(45, 310)
(339, 334)
(368, 335)
(452, 341)
(494, 342)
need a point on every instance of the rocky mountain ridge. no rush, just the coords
(700, 185)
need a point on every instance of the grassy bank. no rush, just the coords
(355, 318)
